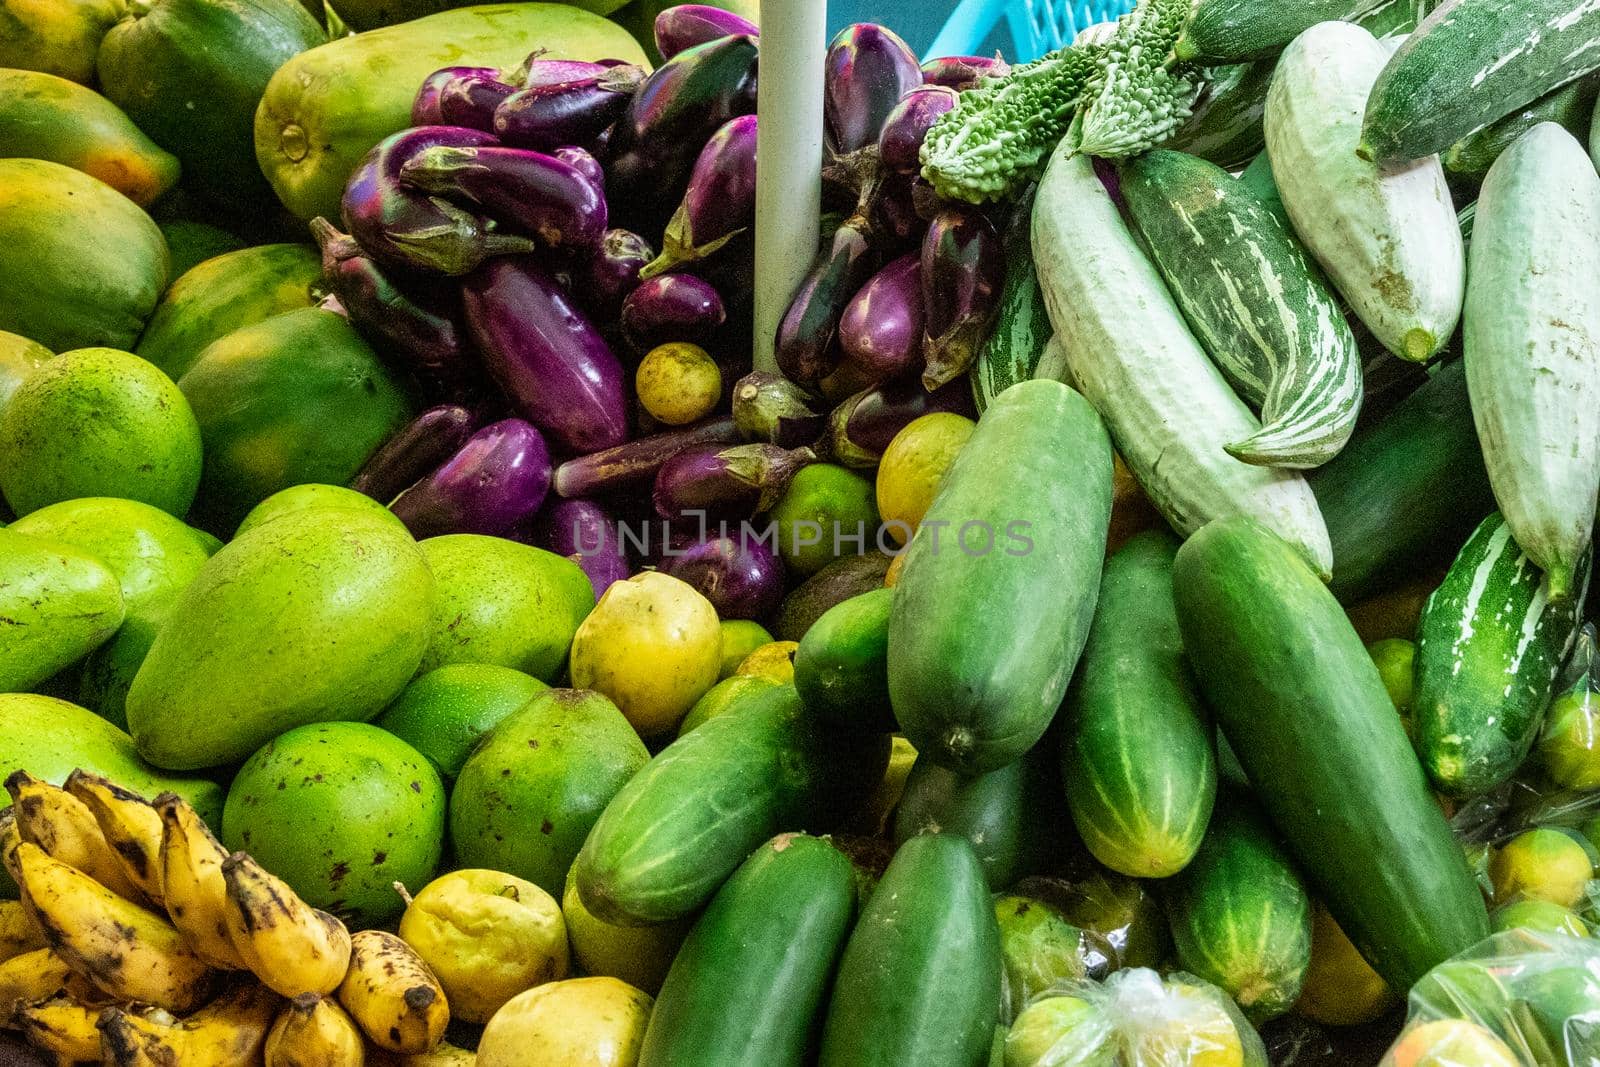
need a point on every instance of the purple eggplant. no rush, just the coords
(584, 163)
(471, 101)
(536, 71)
(526, 191)
(613, 272)
(628, 465)
(500, 476)
(807, 348)
(551, 114)
(862, 427)
(881, 329)
(425, 108)
(896, 207)
(720, 202)
(900, 143)
(963, 269)
(689, 97)
(963, 72)
(423, 325)
(422, 445)
(671, 307)
(769, 407)
(683, 26)
(738, 572)
(727, 482)
(868, 70)
(555, 368)
(583, 532)
(404, 227)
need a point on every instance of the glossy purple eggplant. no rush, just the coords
(627, 466)
(425, 108)
(536, 71)
(689, 97)
(405, 227)
(862, 426)
(738, 572)
(584, 162)
(671, 307)
(585, 533)
(963, 269)
(421, 446)
(613, 272)
(555, 368)
(881, 329)
(683, 26)
(720, 202)
(770, 408)
(900, 143)
(868, 69)
(499, 477)
(807, 347)
(471, 101)
(727, 482)
(528, 192)
(420, 323)
(551, 114)
(963, 72)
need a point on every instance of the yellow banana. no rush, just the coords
(314, 1031)
(192, 884)
(392, 994)
(60, 824)
(225, 1033)
(64, 1027)
(30, 977)
(18, 934)
(10, 838)
(130, 825)
(129, 952)
(291, 946)
(446, 1055)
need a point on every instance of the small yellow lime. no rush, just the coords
(740, 637)
(678, 383)
(1340, 988)
(1540, 864)
(774, 662)
(914, 464)
(1450, 1043)
(1569, 747)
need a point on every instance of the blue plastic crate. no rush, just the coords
(1035, 26)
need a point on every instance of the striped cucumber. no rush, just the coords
(1570, 106)
(1387, 237)
(1131, 353)
(1394, 18)
(1256, 302)
(1225, 125)
(1489, 646)
(1472, 62)
(1531, 344)
(1015, 348)
(1137, 757)
(1231, 30)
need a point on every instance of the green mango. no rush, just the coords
(297, 398)
(530, 791)
(341, 811)
(316, 616)
(190, 243)
(109, 670)
(505, 603)
(312, 495)
(80, 264)
(18, 358)
(235, 289)
(57, 604)
(444, 713)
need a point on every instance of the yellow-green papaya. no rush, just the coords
(18, 357)
(60, 37)
(58, 604)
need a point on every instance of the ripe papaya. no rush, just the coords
(60, 37)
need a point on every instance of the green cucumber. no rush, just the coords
(1257, 177)
(1240, 915)
(1137, 756)
(987, 625)
(1531, 344)
(1471, 63)
(1016, 345)
(919, 982)
(1255, 301)
(1570, 107)
(1225, 126)
(1489, 646)
(1231, 30)
(1304, 708)
(841, 668)
(763, 951)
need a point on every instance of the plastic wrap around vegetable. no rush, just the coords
(526, 191)
(631, 464)
(963, 72)
(421, 446)
(554, 366)
(613, 272)
(405, 227)
(470, 100)
(861, 427)
(671, 307)
(900, 143)
(881, 329)
(553, 113)
(868, 69)
(499, 477)
(769, 407)
(683, 26)
(655, 142)
(739, 573)
(963, 270)
(727, 482)
(582, 531)
(720, 202)
(583, 161)
(425, 108)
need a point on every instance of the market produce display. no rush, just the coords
(1131, 611)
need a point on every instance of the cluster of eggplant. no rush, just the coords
(498, 250)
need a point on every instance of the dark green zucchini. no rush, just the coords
(1225, 126)
(1227, 31)
(841, 667)
(1571, 107)
(1303, 706)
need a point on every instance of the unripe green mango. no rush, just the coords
(316, 616)
(18, 358)
(57, 604)
(313, 495)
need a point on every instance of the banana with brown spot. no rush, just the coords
(313, 1031)
(60, 824)
(62, 1026)
(291, 946)
(229, 1031)
(393, 995)
(129, 823)
(192, 882)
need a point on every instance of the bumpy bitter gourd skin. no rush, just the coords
(1138, 98)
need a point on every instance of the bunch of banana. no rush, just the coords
(61, 825)
(313, 1031)
(231, 1030)
(392, 994)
